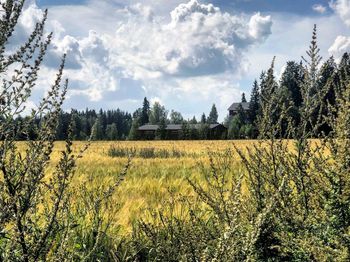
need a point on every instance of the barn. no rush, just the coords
(215, 131)
(233, 109)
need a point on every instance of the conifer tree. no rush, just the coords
(203, 119)
(213, 115)
(193, 120)
(145, 112)
(292, 79)
(254, 104)
(243, 100)
(112, 132)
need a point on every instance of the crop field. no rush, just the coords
(157, 168)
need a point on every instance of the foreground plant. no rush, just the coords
(290, 202)
(39, 215)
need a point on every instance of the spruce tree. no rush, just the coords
(327, 86)
(292, 79)
(203, 119)
(145, 112)
(254, 104)
(213, 115)
(193, 120)
(243, 100)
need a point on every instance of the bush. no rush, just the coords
(146, 152)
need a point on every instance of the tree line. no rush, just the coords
(288, 89)
(116, 124)
(121, 125)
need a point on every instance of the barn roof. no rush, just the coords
(173, 127)
(149, 127)
(234, 106)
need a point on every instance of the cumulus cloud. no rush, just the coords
(340, 46)
(260, 26)
(342, 43)
(342, 8)
(184, 54)
(319, 8)
(199, 40)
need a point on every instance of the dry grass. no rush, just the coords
(149, 180)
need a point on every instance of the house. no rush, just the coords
(233, 109)
(215, 131)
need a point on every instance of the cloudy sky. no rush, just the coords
(187, 54)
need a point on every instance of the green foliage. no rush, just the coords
(161, 133)
(203, 119)
(134, 135)
(176, 118)
(213, 115)
(112, 132)
(158, 112)
(145, 112)
(295, 202)
(39, 218)
(244, 99)
(146, 152)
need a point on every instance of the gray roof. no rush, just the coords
(234, 106)
(148, 127)
(174, 127)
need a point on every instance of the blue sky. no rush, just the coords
(186, 54)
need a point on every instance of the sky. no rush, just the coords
(185, 54)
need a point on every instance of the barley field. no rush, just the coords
(157, 168)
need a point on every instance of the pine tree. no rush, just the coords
(193, 120)
(292, 79)
(203, 119)
(213, 115)
(327, 86)
(342, 78)
(145, 112)
(254, 104)
(244, 100)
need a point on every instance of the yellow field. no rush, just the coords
(149, 180)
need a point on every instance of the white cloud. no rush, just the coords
(196, 50)
(342, 8)
(341, 43)
(319, 8)
(340, 46)
(260, 26)
(199, 40)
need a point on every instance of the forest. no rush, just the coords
(121, 125)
